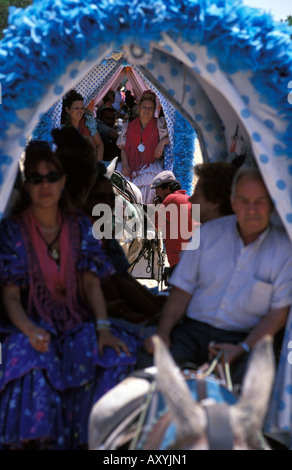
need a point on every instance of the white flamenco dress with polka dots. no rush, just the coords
(144, 177)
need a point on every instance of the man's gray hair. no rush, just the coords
(251, 173)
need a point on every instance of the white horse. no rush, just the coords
(143, 247)
(116, 417)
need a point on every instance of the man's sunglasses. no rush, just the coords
(51, 177)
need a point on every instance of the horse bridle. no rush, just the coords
(219, 431)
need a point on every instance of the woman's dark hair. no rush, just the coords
(78, 156)
(101, 172)
(36, 152)
(109, 96)
(216, 181)
(68, 100)
(39, 151)
(129, 99)
(101, 177)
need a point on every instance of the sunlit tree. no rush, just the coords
(288, 19)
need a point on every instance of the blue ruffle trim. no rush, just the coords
(91, 124)
(42, 39)
(44, 128)
(183, 152)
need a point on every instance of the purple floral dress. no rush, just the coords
(47, 397)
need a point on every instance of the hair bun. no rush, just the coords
(149, 92)
(70, 94)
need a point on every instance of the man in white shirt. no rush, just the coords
(235, 288)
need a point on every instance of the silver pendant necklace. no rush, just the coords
(141, 146)
(54, 253)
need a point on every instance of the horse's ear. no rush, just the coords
(249, 413)
(187, 415)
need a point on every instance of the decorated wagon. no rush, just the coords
(222, 72)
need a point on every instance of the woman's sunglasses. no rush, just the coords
(51, 177)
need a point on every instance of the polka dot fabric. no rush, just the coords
(89, 86)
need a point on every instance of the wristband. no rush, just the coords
(102, 324)
(244, 346)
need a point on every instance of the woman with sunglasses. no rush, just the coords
(142, 143)
(60, 353)
(74, 114)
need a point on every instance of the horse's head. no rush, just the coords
(238, 426)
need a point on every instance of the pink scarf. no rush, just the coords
(135, 135)
(53, 288)
(55, 276)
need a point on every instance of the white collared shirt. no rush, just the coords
(232, 285)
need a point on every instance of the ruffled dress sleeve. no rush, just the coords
(121, 140)
(162, 128)
(91, 124)
(13, 257)
(92, 255)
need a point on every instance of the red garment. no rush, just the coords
(177, 226)
(83, 129)
(136, 135)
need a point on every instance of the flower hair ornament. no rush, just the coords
(149, 92)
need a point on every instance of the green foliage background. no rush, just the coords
(289, 19)
(4, 4)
